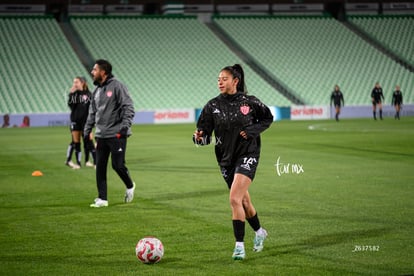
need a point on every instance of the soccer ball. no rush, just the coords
(149, 250)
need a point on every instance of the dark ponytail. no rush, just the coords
(237, 72)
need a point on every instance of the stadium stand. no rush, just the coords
(395, 32)
(173, 61)
(38, 66)
(312, 54)
(167, 62)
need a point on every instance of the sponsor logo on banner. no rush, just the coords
(171, 116)
(303, 112)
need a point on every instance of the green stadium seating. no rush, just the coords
(312, 54)
(167, 62)
(173, 62)
(395, 32)
(37, 66)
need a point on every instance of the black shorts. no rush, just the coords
(375, 102)
(76, 126)
(244, 165)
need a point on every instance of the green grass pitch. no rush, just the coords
(339, 203)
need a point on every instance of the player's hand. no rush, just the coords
(198, 136)
(243, 134)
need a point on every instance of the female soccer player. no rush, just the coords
(377, 98)
(237, 121)
(397, 101)
(338, 99)
(79, 101)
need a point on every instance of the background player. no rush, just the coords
(397, 101)
(338, 99)
(79, 100)
(377, 97)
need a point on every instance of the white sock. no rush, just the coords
(260, 231)
(240, 244)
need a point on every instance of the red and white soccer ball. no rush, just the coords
(149, 250)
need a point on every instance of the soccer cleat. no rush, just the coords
(89, 164)
(73, 165)
(238, 253)
(99, 203)
(259, 240)
(129, 194)
(70, 164)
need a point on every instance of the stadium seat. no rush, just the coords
(312, 54)
(38, 65)
(167, 62)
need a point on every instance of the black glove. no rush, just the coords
(123, 133)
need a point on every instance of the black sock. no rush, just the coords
(94, 156)
(89, 148)
(86, 152)
(254, 222)
(375, 114)
(78, 153)
(380, 113)
(69, 152)
(238, 228)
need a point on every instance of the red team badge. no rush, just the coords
(244, 109)
(109, 94)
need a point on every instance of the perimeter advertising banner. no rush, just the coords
(304, 112)
(173, 116)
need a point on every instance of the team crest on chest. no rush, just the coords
(245, 109)
(109, 94)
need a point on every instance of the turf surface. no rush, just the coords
(339, 202)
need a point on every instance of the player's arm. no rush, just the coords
(205, 126)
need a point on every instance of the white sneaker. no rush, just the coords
(238, 253)
(259, 240)
(72, 165)
(89, 164)
(99, 203)
(129, 194)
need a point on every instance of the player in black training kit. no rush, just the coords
(237, 121)
(338, 99)
(79, 100)
(397, 101)
(377, 97)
